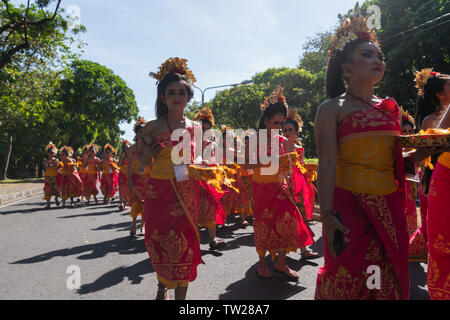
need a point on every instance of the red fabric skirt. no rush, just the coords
(90, 184)
(71, 186)
(211, 210)
(109, 184)
(52, 186)
(124, 192)
(278, 223)
(378, 237)
(438, 223)
(171, 232)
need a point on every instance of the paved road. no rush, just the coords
(38, 245)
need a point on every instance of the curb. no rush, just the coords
(14, 196)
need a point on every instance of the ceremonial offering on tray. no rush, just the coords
(428, 138)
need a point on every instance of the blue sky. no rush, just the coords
(225, 41)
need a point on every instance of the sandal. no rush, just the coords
(133, 229)
(214, 245)
(288, 273)
(57, 202)
(309, 255)
(263, 273)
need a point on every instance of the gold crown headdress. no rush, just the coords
(86, 148)
(67, 150)
(205, 114)
(422, 78)
(174, 65)
(139, 122)
(406, 116)
(51, 146)
(276, 97)
(110, 147)
(354, 27)
(293, 115)
(94, 147)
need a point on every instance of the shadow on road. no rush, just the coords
(124, 245)
(133, 273)
(253, 288)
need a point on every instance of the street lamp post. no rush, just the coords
(216, 87)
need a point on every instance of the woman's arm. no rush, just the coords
(146, 145)
(445, 122)
(325, 130)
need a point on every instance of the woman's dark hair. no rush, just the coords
(429, 103)
(271, 111)
(409, 123)
(335, 82)
(161, 107)
(292, 122)
(207, 122)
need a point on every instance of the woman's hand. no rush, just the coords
(422, 153)
(330, 225)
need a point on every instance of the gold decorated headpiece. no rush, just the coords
(94, 147)
(354, 27)
(293, 115)
(67, 150)
(86, 148)
(406, 116)
(174, 65)
(51, 146)
(205, 114)
(110, 147)
(422, 78)
(140, 122)
(276, 97)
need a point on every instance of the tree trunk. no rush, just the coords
(5, 177)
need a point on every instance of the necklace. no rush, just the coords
(359, 99)
(170, 128)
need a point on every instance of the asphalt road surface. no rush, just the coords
(42, 250)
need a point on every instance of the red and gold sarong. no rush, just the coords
(370, 198)
(438, 223)
(71, 184)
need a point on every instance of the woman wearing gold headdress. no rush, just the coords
(81, 166)
(236, 199)
(300, 182)
(138, 179)
(211, 210)
(110, 180)
(71, 184)
(52, 180)
(432, 113)
(278, 225)
(92, 171)
(172, 198)
(124, 192)
(361, 174)
(408, 128)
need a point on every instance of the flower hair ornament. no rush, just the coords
(293, 115)
(422, 78)
(51, 146)
(67, 150)
(205, 114)
(174, 65)
(276, 97)
(139, 123)
(407, 117)
(352, 28)
(110, 148)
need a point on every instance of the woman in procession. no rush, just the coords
(109, 180)
(433, 113)
(92, 172)
(172, 198)
(52, 180)
(71, 184)
(301, 188)
(361, 173)
(278, 225)
(138, 179)
(124, 191)
(211, 211)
